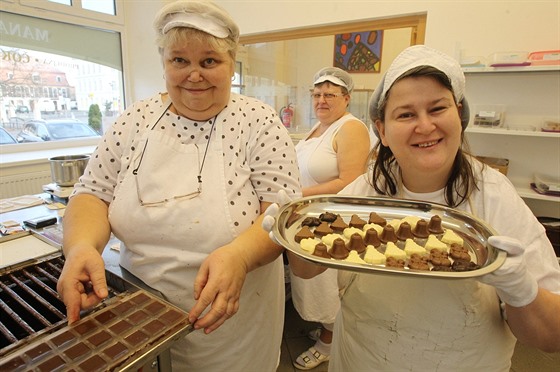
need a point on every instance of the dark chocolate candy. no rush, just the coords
(339, 250)
(99, 338)
(404, 232)
(327, 217)
(304, 233)
(388, 234)
(357, 243)
(356, 221)
(339, 224)
(377, 219)
(311, 221)
(77, 351)
(116, 350)
(372, 238)
(421, 229)
(323, 229)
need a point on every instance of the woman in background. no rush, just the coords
(330, 156)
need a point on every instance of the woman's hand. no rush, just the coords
(82, 283)
(218, 283)
(513, 282)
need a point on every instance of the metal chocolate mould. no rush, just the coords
(127, 329)
(473, 231)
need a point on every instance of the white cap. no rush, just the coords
(336, 76)
(203, 16)
(416, 56)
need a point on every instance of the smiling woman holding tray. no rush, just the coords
(403, 322)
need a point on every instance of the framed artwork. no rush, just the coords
(358, 52)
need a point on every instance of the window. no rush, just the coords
(52, 74)
(101, 10)
(102, 6)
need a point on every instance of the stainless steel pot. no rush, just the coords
(67, 169)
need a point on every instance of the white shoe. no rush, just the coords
(310, 359)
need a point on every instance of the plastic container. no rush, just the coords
(547, 184)
(509, 59)
(473, 61)
(551, 125)
(526, 128)
(545, 58)
(489, 116)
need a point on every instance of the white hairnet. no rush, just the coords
(204, 16)
(416, 56)
(336, 76)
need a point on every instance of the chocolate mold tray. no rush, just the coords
(473, 231)
(117, 337)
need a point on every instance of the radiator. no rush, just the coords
(23, 184)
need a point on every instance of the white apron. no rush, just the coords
(396, 323)
(165, 244)
(316, 299)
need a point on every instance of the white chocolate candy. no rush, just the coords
(434, 243)
(395, 223)
(375, 226)
(412, 220)
(351, 230)
(373, 256)
(354, 257)
(410, 247)
(450, 237)
(329, 239)
(393, 251)
(308, 244)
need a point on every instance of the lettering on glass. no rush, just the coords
(23, 31)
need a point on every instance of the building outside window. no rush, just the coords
(53, 70)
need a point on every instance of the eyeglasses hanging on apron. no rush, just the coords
(152, 165)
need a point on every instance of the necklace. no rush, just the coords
(205, 152)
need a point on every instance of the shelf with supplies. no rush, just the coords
(512, 132)
(489, 69)
(528, 193)
(530, 97)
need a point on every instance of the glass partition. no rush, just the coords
(278, 67)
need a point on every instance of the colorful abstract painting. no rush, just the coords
(358, 51)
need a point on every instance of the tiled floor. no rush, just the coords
(525, 359)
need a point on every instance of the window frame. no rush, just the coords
(76, 10)
(73, 15)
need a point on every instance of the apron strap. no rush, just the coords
(161, 112)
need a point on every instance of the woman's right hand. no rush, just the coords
(82, 283)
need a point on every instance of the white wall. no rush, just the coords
(476, 27)
(142, 65)
(470, 28)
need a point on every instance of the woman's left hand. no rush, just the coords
(513, 282)
(218, 285)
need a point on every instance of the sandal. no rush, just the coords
(310, 359)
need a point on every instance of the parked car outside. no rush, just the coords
(22, 110)
(54, 129)
(6, 138)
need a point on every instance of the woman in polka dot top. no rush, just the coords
(182, 179)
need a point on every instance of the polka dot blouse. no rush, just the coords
(256, 147)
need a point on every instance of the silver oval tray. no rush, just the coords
(474, 232)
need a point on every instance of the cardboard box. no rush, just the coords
(499, 164)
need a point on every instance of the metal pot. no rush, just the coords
(67, 169)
